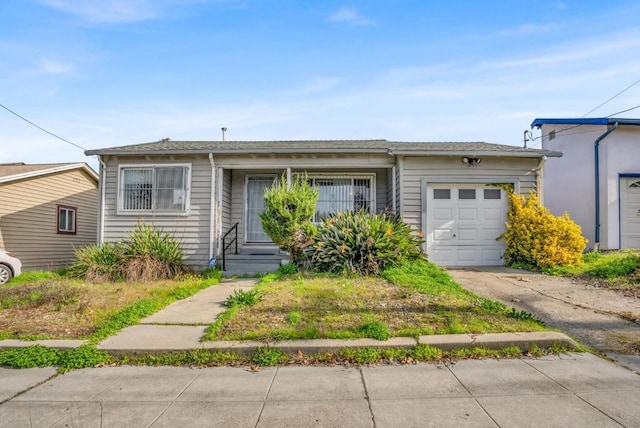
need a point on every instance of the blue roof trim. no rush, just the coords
(585, 121)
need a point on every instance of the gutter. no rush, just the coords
(596, 149)
(101, 182)
(400, 152)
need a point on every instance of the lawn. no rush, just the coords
(617, 270)
(415, 299)
(45, 305)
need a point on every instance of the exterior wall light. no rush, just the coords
(471, 161)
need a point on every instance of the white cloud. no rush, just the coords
(350, 16)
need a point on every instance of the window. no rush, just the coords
(492, 193)
(441, 193)
(155, 188)
(466, 193)
(67, 219)
(342, 193)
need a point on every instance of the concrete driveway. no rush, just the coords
(597, 317)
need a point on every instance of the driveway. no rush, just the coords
(597, 317)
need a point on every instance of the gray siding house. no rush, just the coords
(201, 191)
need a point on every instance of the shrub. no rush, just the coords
(151, 254)
(536, 238)
(98, 263)
(146, 255)
(363, 243)
(289, 209)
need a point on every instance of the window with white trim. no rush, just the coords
(154, 189)
(67, 219)
(339, 193)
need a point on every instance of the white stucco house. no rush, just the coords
(209, 194)
(597, 180)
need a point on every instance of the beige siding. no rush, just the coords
(415, 169)
(191, 230)
(28, 217)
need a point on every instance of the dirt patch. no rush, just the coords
(603, 319)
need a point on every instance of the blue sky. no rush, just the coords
(113, 72)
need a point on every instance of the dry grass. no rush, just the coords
(339, 307)
(64, 308)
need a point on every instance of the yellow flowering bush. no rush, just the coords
(537, 238)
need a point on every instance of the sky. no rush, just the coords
(104, 73)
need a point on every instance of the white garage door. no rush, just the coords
(463, 222)
(630, 212)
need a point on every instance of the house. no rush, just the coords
(597, 181)
(47, 211)
(200, 190)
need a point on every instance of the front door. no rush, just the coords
(256, 185)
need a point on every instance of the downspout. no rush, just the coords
(219, 208)
(539, 183)
(596, 149)
(212, 205)
(393, 189)
(103, 172)
(394, 183)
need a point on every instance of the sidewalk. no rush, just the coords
(180, 325)
(573, 390)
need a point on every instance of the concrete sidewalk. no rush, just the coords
(574, 390)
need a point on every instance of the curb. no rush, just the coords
(445, 342)
(493, 341)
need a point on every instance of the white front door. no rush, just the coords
(630, 212)
(463, 222)
(256, 185)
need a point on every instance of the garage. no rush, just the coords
(463, 222)
(630, 212)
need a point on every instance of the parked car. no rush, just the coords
(10, 266)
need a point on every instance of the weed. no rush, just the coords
(294, 317)
(425, 353)
(31, 356)
(196, 357)
(491, 305)
(243, 298)
(365, 355)
(269, 357)
(375, 330)
(288, 269)
(523, 316)
(81, 357)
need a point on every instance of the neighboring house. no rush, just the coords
(47, 211)
(198, 190)
(597, 181)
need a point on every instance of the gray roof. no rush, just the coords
(169, 147)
